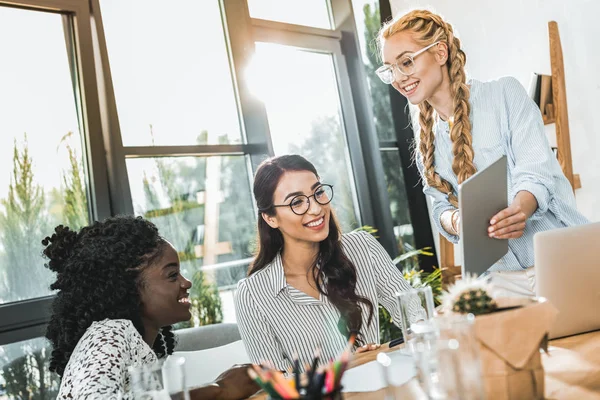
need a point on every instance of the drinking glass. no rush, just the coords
(159, 381)
(417, 312)
(447, 360)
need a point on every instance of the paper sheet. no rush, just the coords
(203, 366)
(370, 376)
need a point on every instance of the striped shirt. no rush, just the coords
(277, 321)
(506, 121)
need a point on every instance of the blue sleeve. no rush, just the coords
(533, 157)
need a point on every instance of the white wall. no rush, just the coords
(510, 37)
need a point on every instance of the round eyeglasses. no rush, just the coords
(405, 63)
(301, 204)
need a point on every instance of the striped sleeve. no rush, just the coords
(531, 149)
(389, 281)
(440, 203)
(258, 337)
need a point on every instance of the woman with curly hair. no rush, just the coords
(465, 126)
(119, 291)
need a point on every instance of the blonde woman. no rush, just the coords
(464, 126)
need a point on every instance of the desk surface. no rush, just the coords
(572, 371)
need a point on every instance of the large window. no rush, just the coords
(39, 128)
(45, 178)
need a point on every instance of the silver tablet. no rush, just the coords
(479, 198)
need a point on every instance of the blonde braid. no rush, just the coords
(431, 28)
(460, 130)
(427, 150)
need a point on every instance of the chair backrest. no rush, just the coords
(206, 337)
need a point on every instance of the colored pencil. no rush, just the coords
(315, 382)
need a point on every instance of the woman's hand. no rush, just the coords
(236, 384)
(368, 347)
(510, 223)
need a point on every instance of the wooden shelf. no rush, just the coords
(576, 181)
(559, 104)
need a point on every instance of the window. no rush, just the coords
(170, 73)
(175, 98)
(305, 124)
(403, 230)
(203, 206)
(47, 177)
(313, 13)
(24, 371)
(366, 14)
(40, 129)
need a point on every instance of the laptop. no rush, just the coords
(567, 273)
(481, 197)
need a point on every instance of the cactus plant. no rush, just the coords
(469, 296)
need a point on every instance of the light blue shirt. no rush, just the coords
(506, 121)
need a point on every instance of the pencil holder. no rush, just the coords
(335, 395)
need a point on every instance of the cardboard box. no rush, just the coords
(510, 340)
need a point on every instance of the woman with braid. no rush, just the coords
(464, 126)
(119, 290)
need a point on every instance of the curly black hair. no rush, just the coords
(98, 277)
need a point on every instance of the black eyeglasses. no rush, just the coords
(301, 204)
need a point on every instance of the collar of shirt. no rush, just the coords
(278, 283)
(276, 275)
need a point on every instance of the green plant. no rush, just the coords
(25, 371)
(476, 302)
(469, 296)
(418, 278)
(387, 329)
(75, 211)
(23, 222)
(369, 229)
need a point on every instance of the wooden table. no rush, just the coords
(572, 371)
(573, 367)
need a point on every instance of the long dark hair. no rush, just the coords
(98, 277)
(334, 273)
